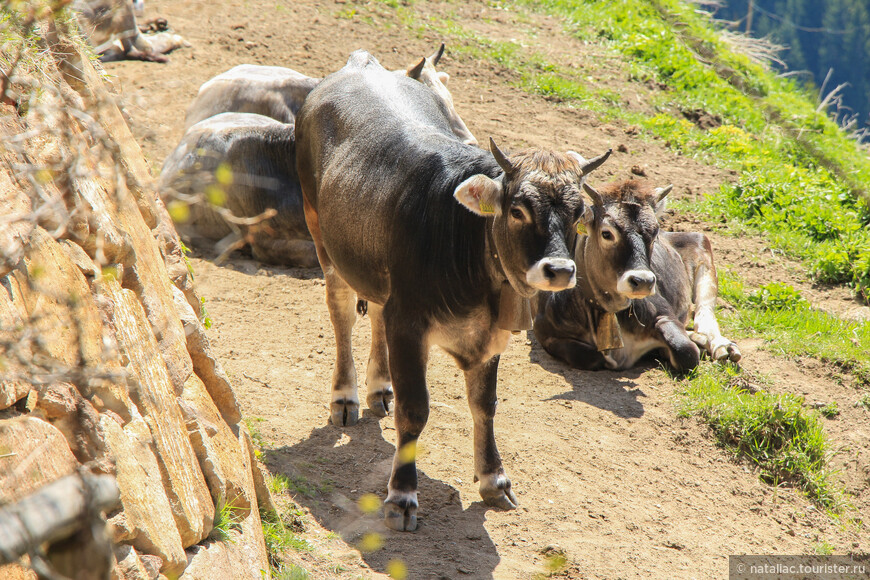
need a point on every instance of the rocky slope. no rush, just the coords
(105, 366)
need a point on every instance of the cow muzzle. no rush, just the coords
(637, 284)
(552, 274)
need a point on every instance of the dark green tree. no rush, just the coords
(821, 36)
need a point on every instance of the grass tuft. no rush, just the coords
(789, 325)
(226, 519)
(775, 432)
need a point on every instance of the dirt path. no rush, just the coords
(602, 467)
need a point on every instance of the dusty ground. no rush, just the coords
(602, 467)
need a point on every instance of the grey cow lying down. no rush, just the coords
(637, 289)
(259, 152)
(245, 165)
(279, 92)
(111, 28)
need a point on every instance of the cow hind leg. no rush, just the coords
(706, 333)
(341, 301)
(378, 382)
(578, 355)
(495, 487)
(408, 357)
(708, 337)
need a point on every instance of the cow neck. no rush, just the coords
(514, 311)
(493, 260)
(608, 335)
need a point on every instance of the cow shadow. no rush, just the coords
(613, 391)
(330, 470)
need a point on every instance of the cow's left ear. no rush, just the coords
(662, 203)
(480, 194)
(443, 77)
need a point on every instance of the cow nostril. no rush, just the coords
(553, 271)
(637, 281)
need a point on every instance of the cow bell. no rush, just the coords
(608, 336)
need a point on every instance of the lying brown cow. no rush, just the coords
(110, 26)
(637, 289)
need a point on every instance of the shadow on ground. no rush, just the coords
(613, 391)
(334, 467)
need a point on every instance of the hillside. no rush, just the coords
(616, 473)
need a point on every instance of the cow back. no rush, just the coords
(273, 91)
(379, 164)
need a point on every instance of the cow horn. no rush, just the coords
(500, 157)
(415, 71)
(597, 200)
(595, 162)
(436, 56)
(661, 192)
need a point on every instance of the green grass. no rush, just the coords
(823, 548)
(253, 425)
(282, 533)
(226, 519)
(790, 326)
(290, 572)
(775, 432)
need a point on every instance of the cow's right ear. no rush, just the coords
(480, 194)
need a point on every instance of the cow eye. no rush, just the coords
(517, 213)
(607, 235)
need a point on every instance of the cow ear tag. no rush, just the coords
(581, 228)
(486, 208)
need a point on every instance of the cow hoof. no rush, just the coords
(400, 512)
(379, 402)
(344, 413)
(725, 352)
(496, 492)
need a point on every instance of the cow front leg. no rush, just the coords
(408, 357)
(341, 301)
(683, 353)
(495, 487)
(378, 383)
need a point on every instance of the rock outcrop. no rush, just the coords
(104, 363)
